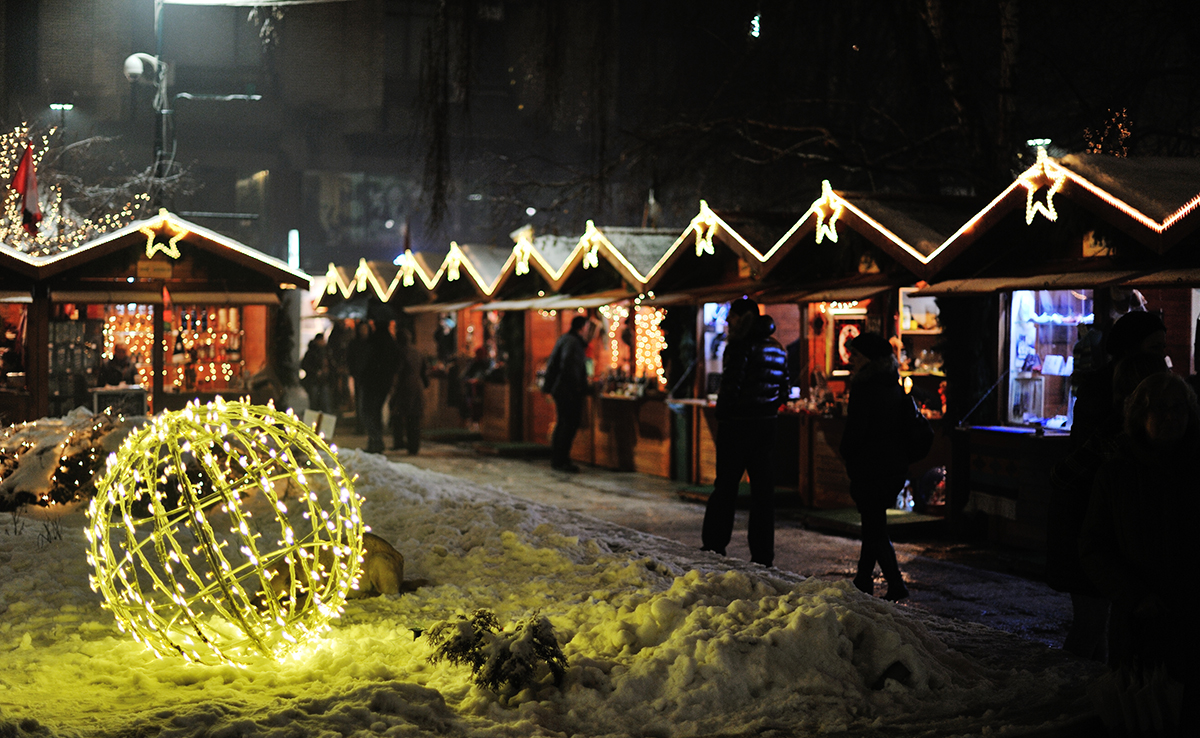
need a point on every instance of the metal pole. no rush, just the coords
(160, 101)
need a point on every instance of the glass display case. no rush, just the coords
(1043, 330)
(919, 332)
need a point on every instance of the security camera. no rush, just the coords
(142, 68)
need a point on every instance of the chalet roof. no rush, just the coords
(643, 248)
(912, 230)
(485, 263)
(171, 226)
(556, 250)
(1160, 188)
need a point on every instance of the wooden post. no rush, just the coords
(37, 352)
(156, 359)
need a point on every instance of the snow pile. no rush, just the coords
(658, 641)
(47, 467)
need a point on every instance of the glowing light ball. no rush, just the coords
(224, 531)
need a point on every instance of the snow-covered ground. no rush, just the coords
(659, 641)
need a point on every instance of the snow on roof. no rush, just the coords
(922, 223)
(168, 223)
(643, 248)
(556, 250)
(1157, 186)
(487, 263)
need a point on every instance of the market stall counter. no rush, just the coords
(791, 457)
(632, 433)
(1006, 475)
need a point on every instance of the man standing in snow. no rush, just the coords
(566, 380)
(753, 385)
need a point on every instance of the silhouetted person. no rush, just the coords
(408, 395)
(1138, 540)
(317, 374)
(118, 369)
(876, 462)
(753, 384)
(1072, 479)
(1132, 333)
(382, 361)
(356, 364)
(1096, 423)
(566, 380)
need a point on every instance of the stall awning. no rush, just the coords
(829, 294)
(985, 285)
(439, 307)
(595, 300)
(560, 302)
(15, 296)
(113, 297)
(532, 303)
(1166, 278)
(699, 296)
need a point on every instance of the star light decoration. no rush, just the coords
(829, 206)
(171, 248)
(705, 226)
(523, 251)
(1043, 172)
(184, 564)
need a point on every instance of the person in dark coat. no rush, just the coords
(408, 395)
(754, 382)
(356, 364)
(317, 374)
(383, 360)
(1097, 421)
(1138, 539)
(566, 380)
(875, 459)
(1072, 479)
(1132, 333)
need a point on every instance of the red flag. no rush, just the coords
(25, 183)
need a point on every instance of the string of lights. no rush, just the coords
(181, 585)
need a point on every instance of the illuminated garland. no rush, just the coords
(62, 229)
(218, 372)
(181, 586)
(650, 342)
(614, 314)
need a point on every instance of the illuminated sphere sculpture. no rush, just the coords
(224, 532)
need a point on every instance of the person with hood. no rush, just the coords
(876, 461)
(1137, 540)
(754, 381)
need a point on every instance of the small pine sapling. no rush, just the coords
(499, 658)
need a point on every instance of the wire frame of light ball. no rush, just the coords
(183, 588)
